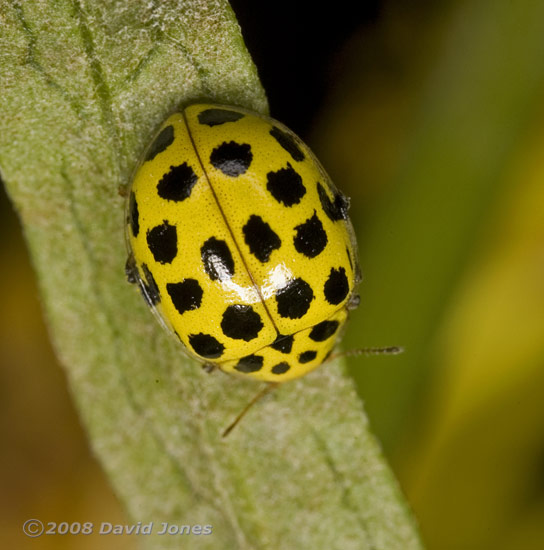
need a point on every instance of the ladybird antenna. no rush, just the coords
(264, 391)
(390, 350)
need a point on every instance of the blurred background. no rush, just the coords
(430, 116)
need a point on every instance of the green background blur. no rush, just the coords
(430, 116)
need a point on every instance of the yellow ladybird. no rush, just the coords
(241, 243)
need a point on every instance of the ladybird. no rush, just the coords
(241, 244)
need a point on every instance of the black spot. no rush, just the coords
(307, 356)
(260, 238)
(336, 209)
(217, 259)
(287, 141)
(134, 215)
(186, 295)
(311, 238)
(178, 183)
(250, 363)
(215, 117)
(233, 159)
(149, 288)
(324, 330)
(286, 186)
(162, 241)
(280, 368)
(161, 143)
(206, 345)
(284, 344)
(241, 322)
(337, 286)
(294, 299)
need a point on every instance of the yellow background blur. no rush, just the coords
(433, 123)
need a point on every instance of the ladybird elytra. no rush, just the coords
(241, 244)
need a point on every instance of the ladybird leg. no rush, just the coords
(353, 302)
(208, 367)
(266, 390)
(131, 271)
(122, 190)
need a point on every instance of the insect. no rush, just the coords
(241, 244)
